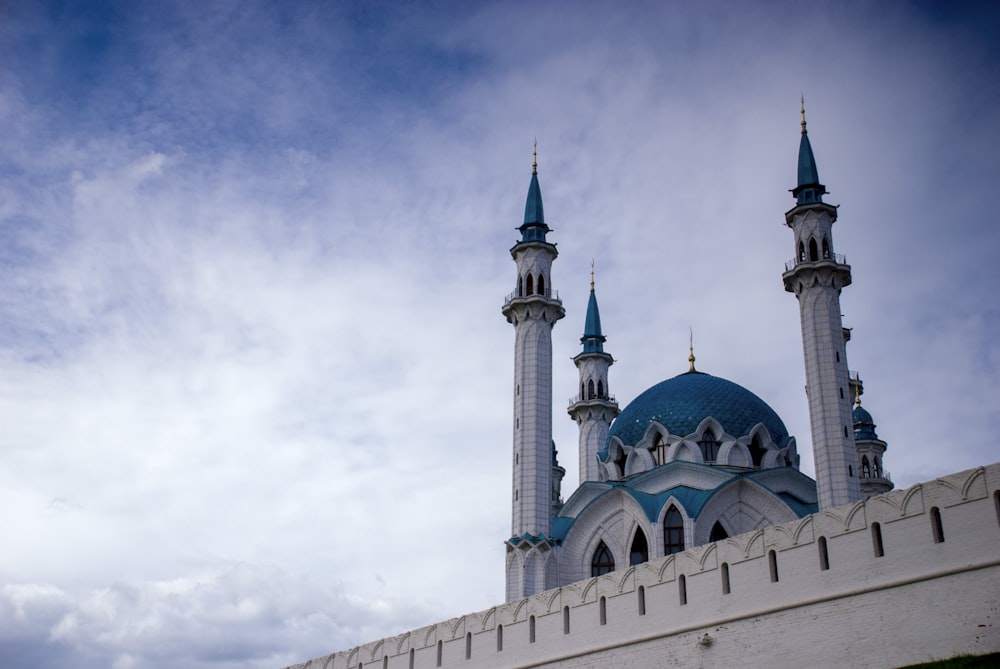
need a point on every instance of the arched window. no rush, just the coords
(385, 662)
(756, 451)
(499, 638)
(802, 252)
(590, 389)
(639, 552)
(440, 652)
(603, 562)
(877, 546)
(603, 611)
(412, 657)
(541, 284)
(824, 556)
(673, 531)
(565, 620)
(937, 527)
(600, 390)
(866, 470)
(772, 563)
(641, 600)
(826, 248)
(531, 629)
(813, 254)
(709, 446)
(878, 467)
(682, 589)
(468, 645)
(718, 532)
(530, 285)
(724, 570)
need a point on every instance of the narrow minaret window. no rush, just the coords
(817, 285)
(533, 315)
(594, 409)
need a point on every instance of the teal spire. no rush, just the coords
(534, 228)
(808, 189)
(592, 339)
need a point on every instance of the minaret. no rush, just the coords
(594, 408)
(533, 308)
(875, 479)
(816, 275)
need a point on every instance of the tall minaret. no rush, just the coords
(533, 308)
(816, 274)
(594, 408)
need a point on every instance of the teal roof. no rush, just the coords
(808, 189)
(864, 425)
(692, 499)
(681, 403)
(592, 339)
(533, 229)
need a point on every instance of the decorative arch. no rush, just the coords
(684, 450)
(602, 562)
(529, 285)
(813, 251)
(741, 506)
(541, 284)
(826, 248)
(673, 531)
(639, 552)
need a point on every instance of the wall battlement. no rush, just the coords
(908, 576)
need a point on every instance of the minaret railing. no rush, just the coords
(548, 294)
(795, 262)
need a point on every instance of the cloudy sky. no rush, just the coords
(255, 387)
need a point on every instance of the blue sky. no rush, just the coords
(255, 388)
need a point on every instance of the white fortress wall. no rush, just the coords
(922, 599)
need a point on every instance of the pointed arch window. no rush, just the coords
(826, 249)
(659, 450)
(520, 286)
(709, 446)
(802, 252)
(541, 284)
(639, 552)
(718, 532)
(673, 531)
(866, 470)
(877, 469)
(590, 389)
(756, 451)
(603, 562)
(529, 285)
(813, 253)
(600, 390)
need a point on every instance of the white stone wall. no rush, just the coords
(921, 600)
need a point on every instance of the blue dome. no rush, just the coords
(860, 415)
(681, 403)
(864, 425)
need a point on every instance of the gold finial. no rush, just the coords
(691, 349)
(591, 275)
(534, 158)
(803, 100)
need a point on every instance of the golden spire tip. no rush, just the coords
(534, 158)
(691, 350)
(803, 101)
(591, 275)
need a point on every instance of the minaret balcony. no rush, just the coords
(592, 398)
(836, 259)
(548, 295)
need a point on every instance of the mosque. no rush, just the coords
(693, 539)
(694, 459)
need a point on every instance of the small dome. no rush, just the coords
(681, 403)
(864, 424)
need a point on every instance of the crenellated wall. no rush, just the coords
(814, 592)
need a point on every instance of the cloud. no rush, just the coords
(252, 258)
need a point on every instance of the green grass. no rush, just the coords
(991, 661)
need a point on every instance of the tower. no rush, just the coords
(871, 450)
(816, 276)
(594, 408)
(533, 308)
